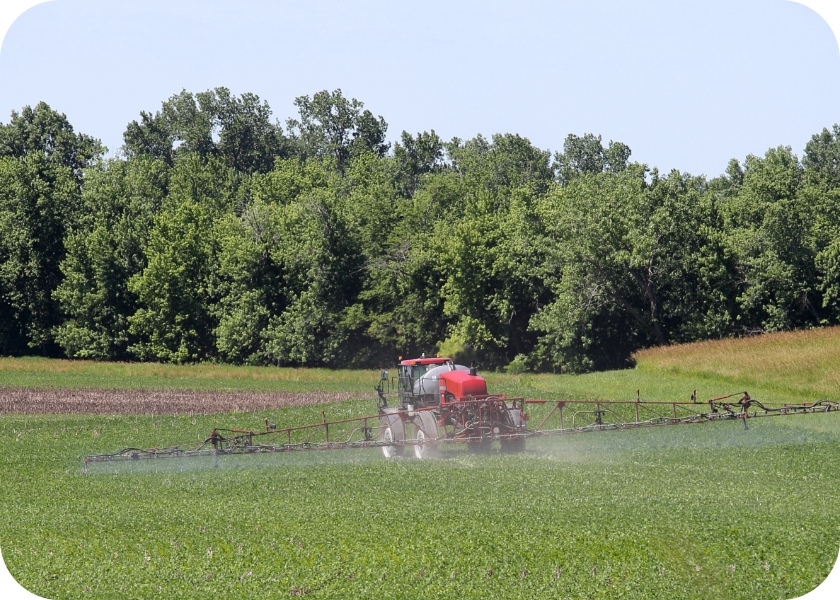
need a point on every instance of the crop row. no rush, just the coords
(146, 402)
(710, 511)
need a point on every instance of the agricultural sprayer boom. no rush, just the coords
(434, 403)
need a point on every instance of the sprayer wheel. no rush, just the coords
(392, 431)
(425, 428)
(513, 446)
(389, 451)
(482, 447)
(420, 451)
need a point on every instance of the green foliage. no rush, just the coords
(771, 225)
(416, 156)
(582, 155)
(106, 249)
(174, 290)
(173, 321)
(612, 242)
(518, 365)
(42, 163)
(44, 132)
(821, 195)
(39, 201)
(218, 235)
(211, 123)
(290, 269)
(486, 255)
(333, 127)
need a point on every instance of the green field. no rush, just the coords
(46, 373)
(708, 511)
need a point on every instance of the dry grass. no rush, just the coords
(145, 402)
(793, 360)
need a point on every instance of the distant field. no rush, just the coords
(797, 362)
(703, 511)
(54, 373)
(783, 367)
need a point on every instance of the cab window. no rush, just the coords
(405, 379)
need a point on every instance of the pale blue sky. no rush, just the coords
(687, 84)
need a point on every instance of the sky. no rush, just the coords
(687, 84)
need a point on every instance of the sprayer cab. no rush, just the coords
(429, 382)
(417, 383)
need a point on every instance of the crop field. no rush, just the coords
(66, 374)
(704, 511)
(789, 367)
(155, 402)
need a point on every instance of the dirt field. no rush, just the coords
(146, 402)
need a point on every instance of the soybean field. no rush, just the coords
(702, 511)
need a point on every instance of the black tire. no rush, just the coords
(513, 446)
(482, 447)
(392, 428)
(425, 428)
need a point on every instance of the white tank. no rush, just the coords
(428, 382)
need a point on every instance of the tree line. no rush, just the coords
(218, 234)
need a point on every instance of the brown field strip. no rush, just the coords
(147, 402)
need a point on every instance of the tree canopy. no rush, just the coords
(219, 234)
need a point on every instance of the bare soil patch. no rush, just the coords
(146, 402)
